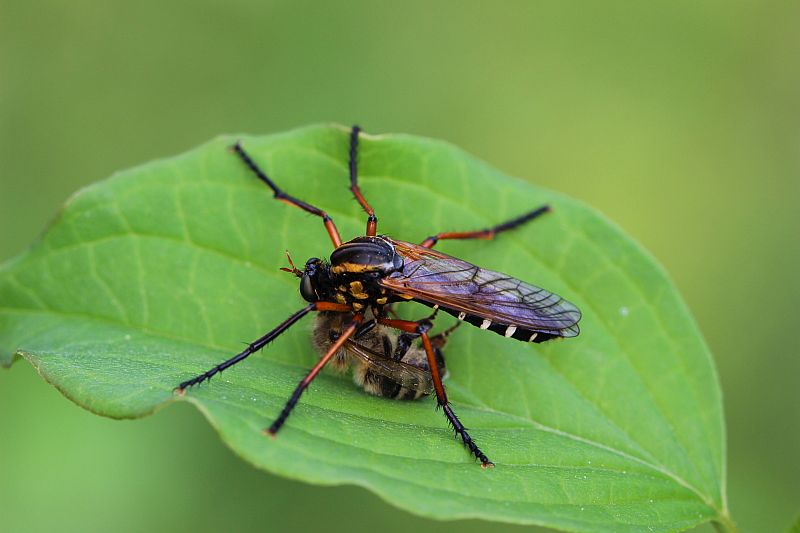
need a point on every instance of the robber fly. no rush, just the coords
(353, 292)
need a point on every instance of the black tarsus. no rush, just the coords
(421, 328)
(372, 220)
(347, 332)
(461, 431)
(513, 223)
(287, 410)
(251, 348)
(278, 193)
(488, 233)
(353, 163)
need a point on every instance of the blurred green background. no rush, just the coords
(678, 120)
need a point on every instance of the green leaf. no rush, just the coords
(156, 274)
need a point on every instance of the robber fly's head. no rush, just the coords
(310, 279)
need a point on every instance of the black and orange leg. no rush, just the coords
(347, 332)
(287, 199)
(261, 342)
(438, 341)
(372, 221)
(489, 233)
(421, 328)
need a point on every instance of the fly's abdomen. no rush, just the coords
(507, 330)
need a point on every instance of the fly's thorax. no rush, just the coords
(366, 255)
(356, 269)
(361, 290)
(353, 274)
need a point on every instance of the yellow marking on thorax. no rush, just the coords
(356, 286)
(357, 290)
(354, 268)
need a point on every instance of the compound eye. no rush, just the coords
(307, 289)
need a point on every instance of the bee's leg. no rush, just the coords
(404, 342)
(347, 332)
(421, 328)
(372, 221)
(488, 233)
(278, 194)
(365, 328)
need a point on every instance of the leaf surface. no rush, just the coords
(154, 275)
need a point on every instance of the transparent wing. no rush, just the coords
(405, 375)
(438, 278)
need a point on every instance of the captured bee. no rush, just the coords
(385, 362)
(353, 293)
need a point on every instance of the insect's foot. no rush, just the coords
(187, 384)
(272, 430)
(476, 452)
(192, 382)
(485, 462)
(269, 432)
(479, 455)
(466, 440)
